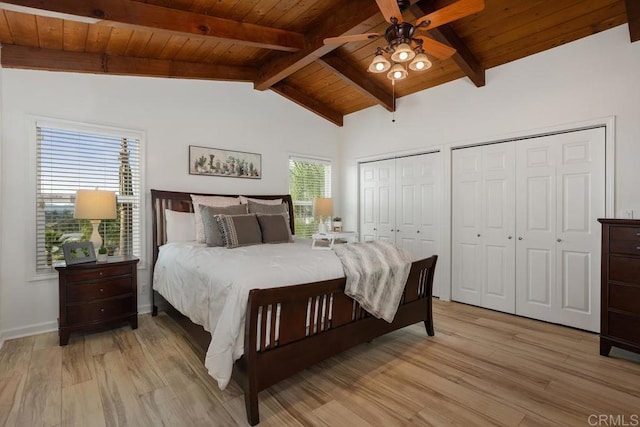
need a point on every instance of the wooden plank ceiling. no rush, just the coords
(278, 45)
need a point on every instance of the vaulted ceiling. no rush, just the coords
(278, 45)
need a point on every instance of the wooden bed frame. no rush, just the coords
(306, 335)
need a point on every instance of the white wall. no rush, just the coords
(592, 78)
(173, 114)
(1, 180)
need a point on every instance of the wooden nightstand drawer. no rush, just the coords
(624, 327)
(625, 298)
(625, 233)
(99, 310)
(87, 292)
(98, 273)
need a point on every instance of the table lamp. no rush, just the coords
(95, 205)
(322, 208)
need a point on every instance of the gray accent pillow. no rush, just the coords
(261, 208)
(212, 232)
(274, 228)
(239, 230)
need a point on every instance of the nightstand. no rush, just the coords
(97, 295)
(331, 237)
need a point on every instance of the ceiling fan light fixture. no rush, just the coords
(403, 53)
(420, 62)
(397, 72)
(380, 64)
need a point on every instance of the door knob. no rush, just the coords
(510, 237)
(418, 231)
(478, 235)
(398, 230)
(375, 229)
(559, 240)
(519, 238)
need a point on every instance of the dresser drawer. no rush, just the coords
(95, 273)
(624, 233)
(98, 290)
(99, 310)
(624, 269)
(625, 298)
(625, 247)
(624, 327)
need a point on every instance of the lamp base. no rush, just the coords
(95, 235)
(322, 227)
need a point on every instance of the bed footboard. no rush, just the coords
(290, 328)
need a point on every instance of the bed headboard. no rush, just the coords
(180, 201)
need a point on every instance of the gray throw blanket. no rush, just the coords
(376, 275)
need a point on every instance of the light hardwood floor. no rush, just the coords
(481, 368)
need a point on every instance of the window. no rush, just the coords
(68, 160)
(308, 179)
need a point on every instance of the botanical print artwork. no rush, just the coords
(216, 162)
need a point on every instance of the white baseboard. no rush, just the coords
(41, 328)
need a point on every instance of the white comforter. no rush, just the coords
(211, 286)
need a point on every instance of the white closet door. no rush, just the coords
(418, 206)
(466, 251)
(377, 206)
(498, 227)
(560, 191)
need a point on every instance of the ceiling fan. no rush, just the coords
(403, 45)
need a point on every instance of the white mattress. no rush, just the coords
(211, 286)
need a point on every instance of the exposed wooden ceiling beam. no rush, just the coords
(311, 104)
(445, 34)
(344, 20)
(355, 77)
(56, 60)
(144, 16)
(633, 17)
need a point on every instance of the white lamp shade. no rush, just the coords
(323, 207)
(95, 204)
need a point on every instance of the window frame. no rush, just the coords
(309, 159)
(33, 122)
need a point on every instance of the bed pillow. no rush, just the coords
(218, 201)
(245, 200)
(263, 208)
(212, 233)
(240, 230)
(180, 226)
(274, 228)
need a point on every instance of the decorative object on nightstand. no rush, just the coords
(78, 252)
(97, 295)
(620, 297)
(103, 254)
(322, 208)
(95, 205)
(336, 224)
(332, 237)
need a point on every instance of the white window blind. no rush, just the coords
(69, 160)
(308, 179)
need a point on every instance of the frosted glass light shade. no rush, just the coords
(420, 63)
(397, 72)
(380, 64)
(403, 53)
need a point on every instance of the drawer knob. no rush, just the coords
(638, 248)
(101, 289)
(102, 310)
(101, 273)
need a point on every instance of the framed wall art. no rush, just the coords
(78, 252)
(217, 162)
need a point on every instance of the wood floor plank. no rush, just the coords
(482, 368)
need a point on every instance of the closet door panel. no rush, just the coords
(368, 190)
(386, 208)
(466, 271)
(407, 207)
(581, 202)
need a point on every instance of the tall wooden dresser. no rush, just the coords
(620, 315)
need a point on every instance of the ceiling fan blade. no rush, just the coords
(450, 13)
(437, 49)
(352, 38)
(389, 9)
